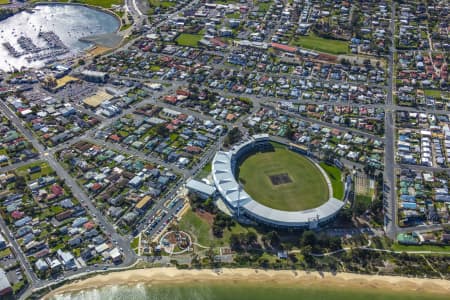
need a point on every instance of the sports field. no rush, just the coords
(318, 43)
(283, 180)
(190, 40)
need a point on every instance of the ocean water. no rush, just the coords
(240, 291)
(69, 22)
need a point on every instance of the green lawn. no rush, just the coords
(400, 247)
(226, 1)
(436, 93)
(204, 172)
(167, 4)
(361, 204)
(125, 27)
(315, 42)
(307, 187)
(235, 15)
(45, 170)
(18, 286)
(5, 252)
(134, 243)
(3, 2)
(335, 177)
(366, 200)
(264, 6)
(197, 227)
(201, 231)
(102, 3)
(190, 40)
(155, 68)
(163, 4)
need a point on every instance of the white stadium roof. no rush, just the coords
(235, 196)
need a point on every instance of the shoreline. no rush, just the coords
(108, 11)
(96, 7)
(87, 46)
(282, 277)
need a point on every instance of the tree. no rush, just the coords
(308, 238)
(335, 243)
(210, 254)
(274, 239)
(251, 238)
(347, 121)
(360, 205)
(263, 263)
(233, 136)
(162, 130)
(20, 183)
(235, 242)
(369, 170)
(307, 257)
(289, 132)
(446, 228)
(292, 257)
(217, 231)
(196, 262)
(195, 201)
(345, 216)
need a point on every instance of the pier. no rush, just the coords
(55, 47)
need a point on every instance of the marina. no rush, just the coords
(52, 50)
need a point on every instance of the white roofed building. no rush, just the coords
(240, 202)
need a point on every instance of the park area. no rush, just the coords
(189, 40)
(199, 225)
(320, 44)
(284, 180)
(101, 3)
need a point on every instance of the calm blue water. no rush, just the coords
(69, 22)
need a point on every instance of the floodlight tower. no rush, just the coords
(239, 201)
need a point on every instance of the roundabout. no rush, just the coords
(175, 242)
(274, 185)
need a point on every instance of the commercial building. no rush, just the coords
(94, 76)
(201, 189)
(144, 203)
(5, 286)
(2, 242)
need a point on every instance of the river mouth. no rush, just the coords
(50, 32)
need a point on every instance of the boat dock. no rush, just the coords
(55, 47)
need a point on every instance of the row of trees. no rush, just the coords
(197, 203)
(244, 242)
(319, 242)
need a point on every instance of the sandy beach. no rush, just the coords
(173, 275)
